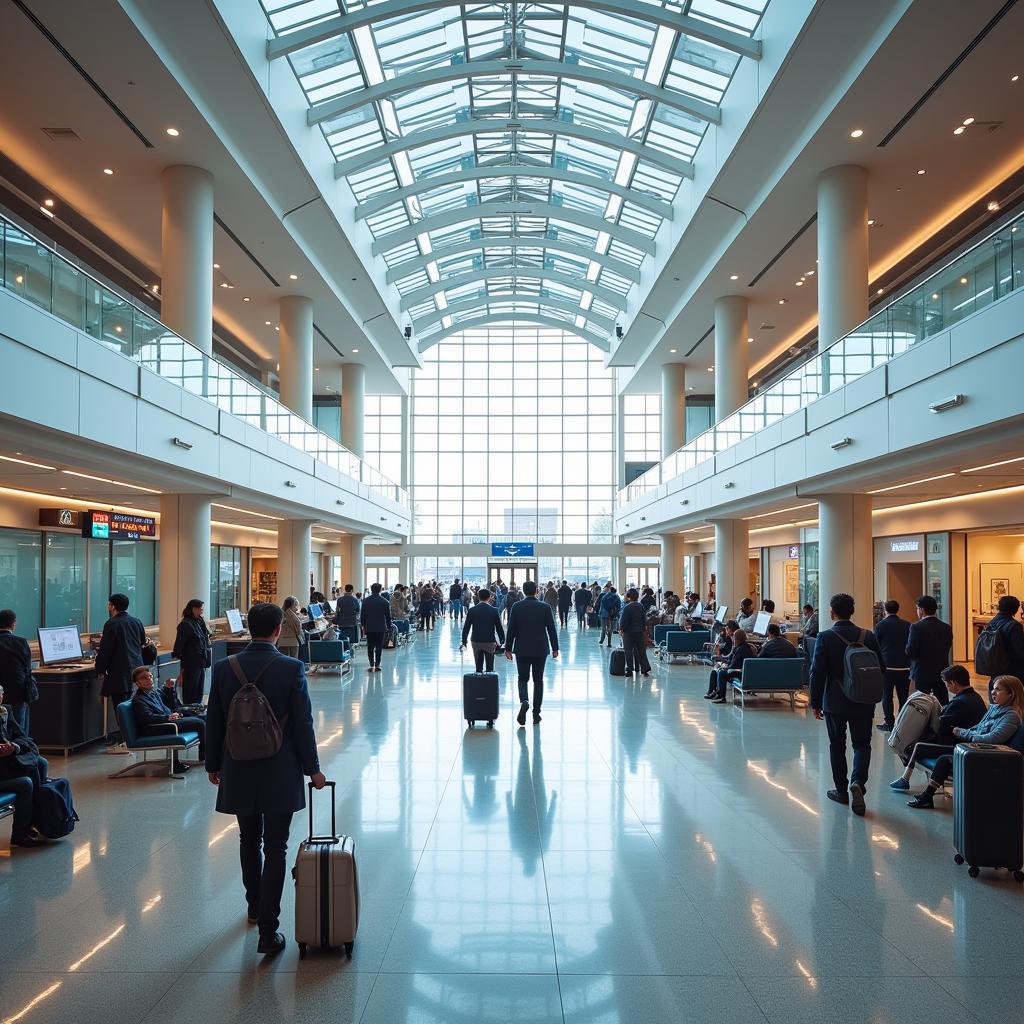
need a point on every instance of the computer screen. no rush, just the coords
(315, 611)
(698, 611)
(761, 623)
(59, 643)
(234, 617)
(723, 610)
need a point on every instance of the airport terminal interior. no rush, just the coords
(717, 304)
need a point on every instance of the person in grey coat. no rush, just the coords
(264, 794)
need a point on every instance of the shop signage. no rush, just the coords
(117, 526)
(69, 518)
(512, 551)
(908, 544)
(794, 551)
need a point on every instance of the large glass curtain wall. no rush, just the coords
(513, 439)
(575, 569)
(382, 434)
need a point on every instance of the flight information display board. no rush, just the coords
(118, 526)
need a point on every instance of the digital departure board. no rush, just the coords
(118, 526)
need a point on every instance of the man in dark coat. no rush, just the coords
(776, 646)
(839, 712)
(583, 599)
(346, 614)
(264, 794)
(930, 649)
(564, 603)
(16, 670)
(154, 708)
(531, 637)
(119, 655)
(1011, 631)
(375, 618)
(892, 634)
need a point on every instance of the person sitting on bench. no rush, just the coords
(22, 771)
(733, 669)
(775, 646)
(153, 711)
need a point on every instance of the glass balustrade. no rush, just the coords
(987, 271)
(34, 271)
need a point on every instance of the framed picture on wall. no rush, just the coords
(999, 588)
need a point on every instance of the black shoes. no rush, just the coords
(523, 708)
(272, 944)
(838, 797)
(26, 841)
(181, 767)
(717, 700)
(922, 800)
(536, 719)
(711, 696)
(857, 799)
(252, 913)
(884, 727)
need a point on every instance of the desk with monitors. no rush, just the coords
(69, 712)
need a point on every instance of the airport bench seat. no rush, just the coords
(927, 764)
(681, 643)
(169, 742)
(325, 653)
(771, 676)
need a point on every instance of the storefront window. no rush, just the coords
(936, 571)
(99, 583)
(21, 576)
(225, 579)
(65, 593)
(134, 574)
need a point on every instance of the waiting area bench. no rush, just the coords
(330, 654)
(927, 764)
(170, 743)
(771, 676)
(7, 804)
(681, 643)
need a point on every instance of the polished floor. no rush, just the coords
(639, 857)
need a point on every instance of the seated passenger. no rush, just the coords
(22, 770)
(965, 709)
(153, 711)
(768, 605)
(732, 669)
(747, 616)
(776, 646)
(1000, 722)
(809, 622)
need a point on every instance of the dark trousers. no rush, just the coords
(527, 664)
(193, 683)
(942, 770)
(24, 789)
(860, 737)
(19, 712)
(718, 683)
(374, 646)
(483, 658)
(581, 617)
(897, 683)
(262, 848)
(563, 616)
(636, 653)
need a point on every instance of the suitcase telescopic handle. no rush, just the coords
(333, 837)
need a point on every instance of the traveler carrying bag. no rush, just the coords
(149, 653)
(253, 731)
(990, 653)
(919, 717)
(988, 807)
(54, 812)
(326, 888)
(480, 697)
(862, 675)
(617, 662)
(593, 620)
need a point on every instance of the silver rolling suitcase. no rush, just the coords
(326, 888)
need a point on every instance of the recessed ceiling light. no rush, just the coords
(155, 289)
(24, 462)
(935, 296)
(19, 279)
(921, 170)
(810, 273)
(672, 351)
(355, 350)
(750, 341)
(963, 280)
(48, 202)
(879, 291)
(690, 387)
(754, 383)
(711, 369)
(1014, 78)
(173, 132)
(224, 284)
(108, 170)
(245, 298)
(959, 130)
(216, 266)
(856, 133)
(968, 120)
(293, 277)
(871, 222)
(782, 302)
(267, 322)
(316, 369)
(993, 205)
(799, 284)
(118, 329)
(734, 277)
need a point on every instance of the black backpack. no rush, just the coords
(253, 731)
(54, 812)
(990, 653)
(862, 675)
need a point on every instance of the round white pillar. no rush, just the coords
(842, 252)
(186, 258)
(673, 408)
(406, 456)
(731, 360)
(295, 313)
(845, 553)
(357, 564)
(670, 567)
(732, 567)
(294, 559)
(352, 393)
(184, 558)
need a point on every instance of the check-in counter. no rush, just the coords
(69, 712)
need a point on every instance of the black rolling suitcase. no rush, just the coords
(480, 698)
(593, 620)
(988, 807)
(617, 662)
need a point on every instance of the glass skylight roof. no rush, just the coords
(514, 160)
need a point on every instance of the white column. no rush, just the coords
(845, 553)
(295, 313)
(732, 566)
(186, 257)
(673, 408)
(356, 574)
(406, 461)
(618, 572)
(184, 558)
(293, 559)
(405, 570)
(731, 359)
(352, 393)
(842, 252)
(671, 567)
(620, 440)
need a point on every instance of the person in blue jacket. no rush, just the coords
(264, 794)
(154, 710)
(608, 609)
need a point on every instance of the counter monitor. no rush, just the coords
(59, 644)
(723, 610)
(761, 623)
(315, 611)
(234, 617)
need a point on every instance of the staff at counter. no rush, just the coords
(192, 648)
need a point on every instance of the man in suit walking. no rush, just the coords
(346, 614)
(839, 712)
(120, 654)
(484, 620)
(375, 618)
(263, 794)
(892, 634)
(564, 603)
(531, 636)
(929, 647)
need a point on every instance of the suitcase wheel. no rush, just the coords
(348, 949)
(973, 871)
(302, 951)
(490, 725)
(471, 722)
(957, 858)
(1018, 875)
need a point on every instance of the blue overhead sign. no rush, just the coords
(512, 551)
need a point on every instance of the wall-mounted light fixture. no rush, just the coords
(843, 442)
(947, 403)
(180, 443)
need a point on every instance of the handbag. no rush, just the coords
(149, 653)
